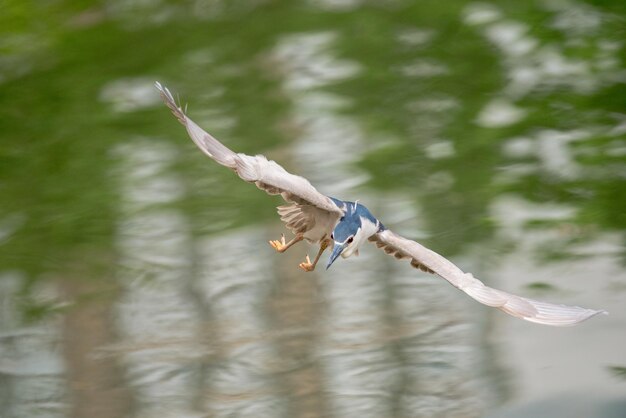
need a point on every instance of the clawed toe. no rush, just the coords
(279, 245)
(307, 265)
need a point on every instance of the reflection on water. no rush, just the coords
(307, 63)
(375, 351)
(158, 325)
(135, 276)
(245, 379)
(31, 364)
(532, 64)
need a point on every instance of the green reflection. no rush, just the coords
(427, 73)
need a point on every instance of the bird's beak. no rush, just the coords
(337, 249)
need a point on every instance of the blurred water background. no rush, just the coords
(135, 275)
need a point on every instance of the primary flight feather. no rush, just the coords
(345, 226)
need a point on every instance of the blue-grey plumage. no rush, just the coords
(355, 227)
(345, 226)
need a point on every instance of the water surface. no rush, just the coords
(135, 276)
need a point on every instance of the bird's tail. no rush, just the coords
(167, 97)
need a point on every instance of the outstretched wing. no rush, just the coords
(266, 174)
(520, 307)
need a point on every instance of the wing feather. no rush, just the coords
(520, 307)
(267, 175)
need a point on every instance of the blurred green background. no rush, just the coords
(135, 278)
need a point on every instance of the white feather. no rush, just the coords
(518, 306)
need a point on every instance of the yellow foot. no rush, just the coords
(307, 265)
(279, 246)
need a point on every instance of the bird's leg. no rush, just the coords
(281, 246)
(307, 265)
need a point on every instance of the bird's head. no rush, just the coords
(346, 235)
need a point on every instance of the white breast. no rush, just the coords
(368, 228)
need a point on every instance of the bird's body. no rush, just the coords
(314, 224)
(346, 226)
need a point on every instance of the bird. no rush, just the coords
(345, 226)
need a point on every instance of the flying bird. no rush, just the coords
(345, 226)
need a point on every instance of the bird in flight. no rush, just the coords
(345, 226)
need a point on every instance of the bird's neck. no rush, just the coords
(368, 228)
(368, 221)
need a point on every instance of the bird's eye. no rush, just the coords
(332, 236)
(350, 240)
(342, 218)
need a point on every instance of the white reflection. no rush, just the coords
(439, 150)
(553, 149)
(156, 316)
(554, 152)
(424, 68)
(130, 94)
(498, 113)
(307, 63)
(480, 14)
(532, 64)
(32, 371)
(575, 17)
(329, 143)
(415, 37)
(235, 279)
(361, 373)
(511, 37)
